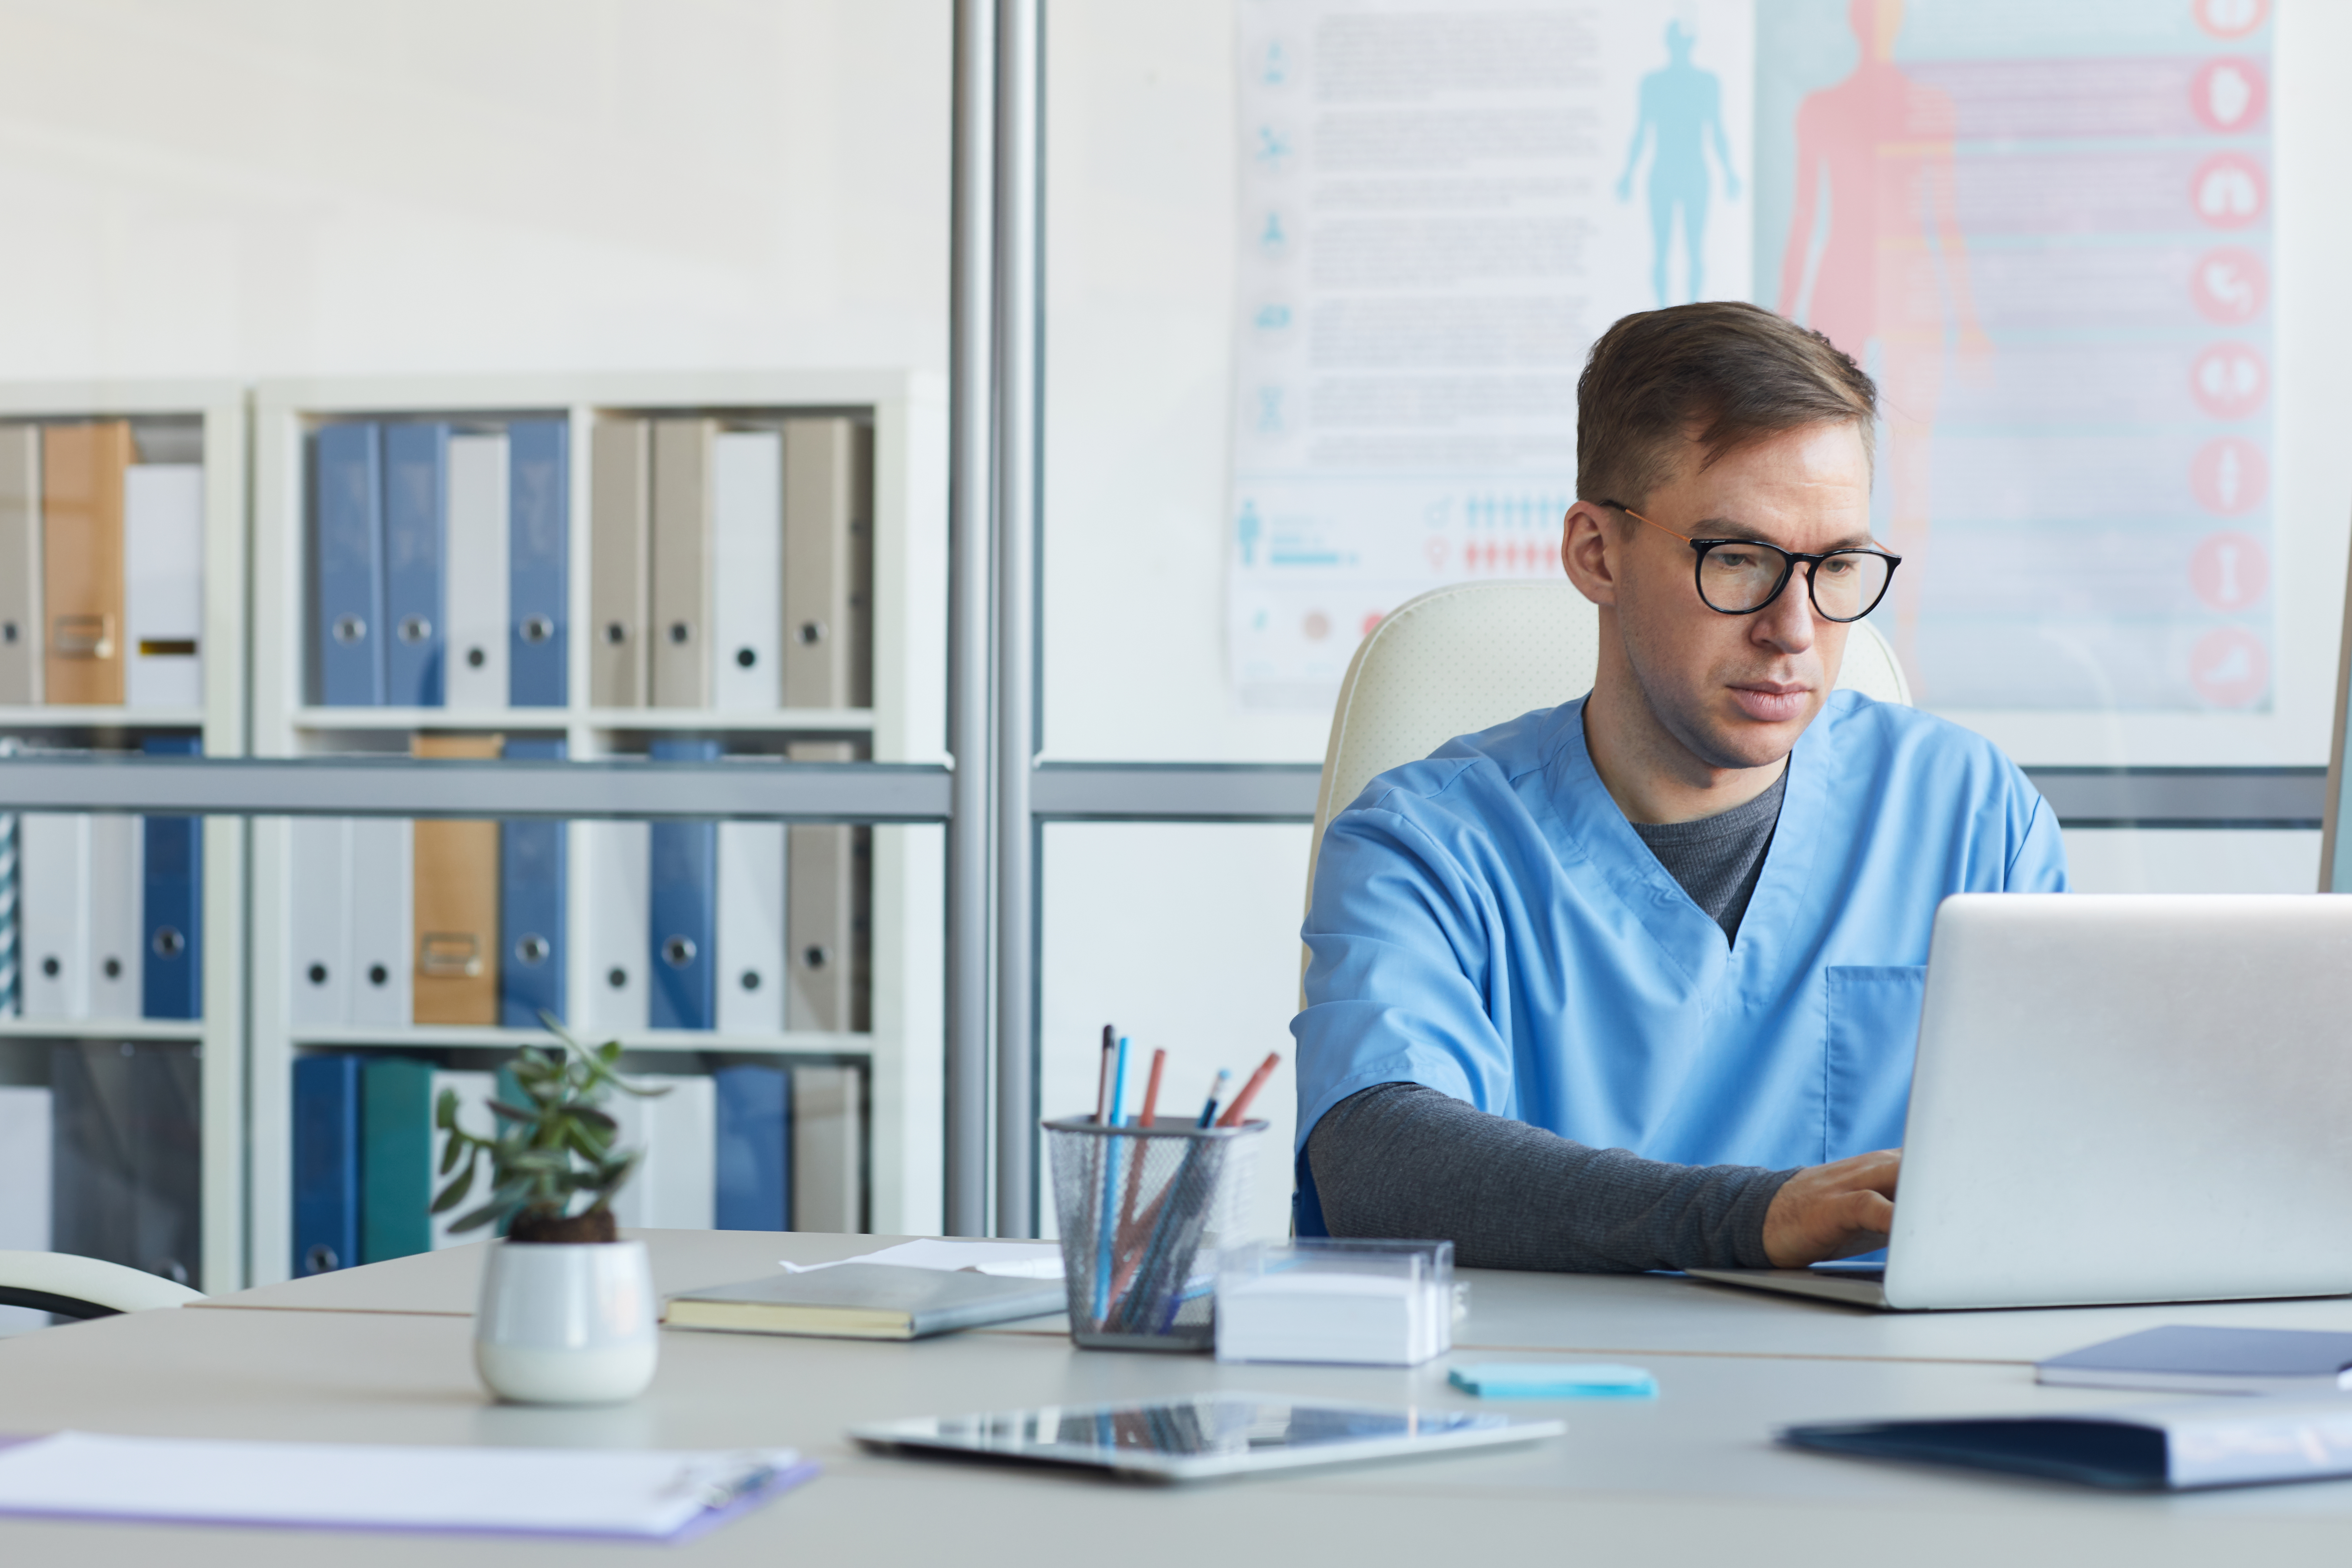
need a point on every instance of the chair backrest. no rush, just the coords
(1459, 659)
(74, 1287)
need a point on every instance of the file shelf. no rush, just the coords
(172, 423)
(901, 419)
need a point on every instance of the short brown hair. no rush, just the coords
(1719, 372)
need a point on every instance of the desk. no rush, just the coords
(1689, 1478)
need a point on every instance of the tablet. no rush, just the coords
(1203, 1435)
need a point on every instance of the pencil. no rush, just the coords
(1121, 1264)
(1216, 1092)
(1151, 1089)
(1240, 1107)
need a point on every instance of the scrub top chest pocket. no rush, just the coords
(1873, 1033)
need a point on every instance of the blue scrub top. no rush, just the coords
(1486, 923)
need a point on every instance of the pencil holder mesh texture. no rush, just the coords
(1136, 1206)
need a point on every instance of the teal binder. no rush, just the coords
(396, 1158)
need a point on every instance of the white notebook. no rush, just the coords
(647, 1495)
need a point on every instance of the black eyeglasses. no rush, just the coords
(1740, 577)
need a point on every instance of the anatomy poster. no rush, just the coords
(1441, 206)
(2045, 229)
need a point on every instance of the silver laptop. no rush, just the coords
(2121, 1099)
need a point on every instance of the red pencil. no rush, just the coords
(1240, 1107)
(1151, 1089)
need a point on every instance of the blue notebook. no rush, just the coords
(171, 910)
(755, 1148)
(326, 1164)
(416, 552)
(684, 906)
(2193, 1359)
(530, 907)
(347, 565)
(538, 523)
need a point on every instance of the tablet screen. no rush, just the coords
(1221, 1433)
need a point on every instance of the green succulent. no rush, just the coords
(544, 1154)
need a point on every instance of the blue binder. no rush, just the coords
(685, 909)
(171, 908)
(326, 1164)
(539, 524)
(530, 908)
(415, 553)
(754, 1152)
(347, 565)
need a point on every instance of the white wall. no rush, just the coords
(269, 187)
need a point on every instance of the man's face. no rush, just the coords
(1737, 690)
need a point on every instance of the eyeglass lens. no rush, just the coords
(1738, 579)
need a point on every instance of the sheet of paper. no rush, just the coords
(574, 1491)
(1009, 1260)
(1442, 205)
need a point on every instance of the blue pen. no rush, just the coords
(1110, 1226)
(1216, 1097)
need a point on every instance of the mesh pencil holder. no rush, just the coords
(1135, 1205)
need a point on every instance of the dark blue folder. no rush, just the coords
(347, 565)
(171, 910)
(530, 907)
(539, 510)
(755, 1148)
(415, 556)
(326, 1164)
(684, 877)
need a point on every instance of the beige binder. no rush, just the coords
(828, 564)
(825, 895)
(682, 528)
(456, 956)
(20, 564)
(81, 560)
(620, 562)
(828, 1149)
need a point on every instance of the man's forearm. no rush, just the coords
(1403, 1160)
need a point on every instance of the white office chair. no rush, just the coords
(1459, 659)
(73, 1287)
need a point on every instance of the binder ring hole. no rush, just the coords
(751, 980)
(50, 968)
(678, 631)
(415, 629)
(349, 628)
(113, 967)
(815, 955)
(8, 633)
(476, 658)
(678, 952)
(616, 977)
(169, 942)
(812, 632)
(378, 974)
(532, 949)
(321, 1259)
(537, 628)
(616, 633)
(746, 657)
(317, 974)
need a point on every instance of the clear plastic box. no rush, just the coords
(1348, 1302)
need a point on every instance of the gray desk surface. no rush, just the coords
(1599, 1314)
(1691, 1478)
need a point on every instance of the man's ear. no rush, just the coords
(1588, 552)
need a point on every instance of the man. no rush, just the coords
(1634, 982)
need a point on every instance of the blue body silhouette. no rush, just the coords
(1680, 105)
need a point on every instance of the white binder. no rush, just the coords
(476, 582)
(53, 915)
(474, 1093)
(620, 924)
(747, 485)
(319, 921)
(828, 1149)
(163, 584)
(676, 1186)
(117, 939)
(25, 1168)
(382, 898)
(751, 947)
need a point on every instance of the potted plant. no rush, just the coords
(567, 1307)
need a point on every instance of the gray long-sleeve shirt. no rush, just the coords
(1404, 1160)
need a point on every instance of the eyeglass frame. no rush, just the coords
(1789, 569)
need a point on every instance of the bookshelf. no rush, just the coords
(202, 422)
(901, 1052)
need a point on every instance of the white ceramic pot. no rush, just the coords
(566, 1324)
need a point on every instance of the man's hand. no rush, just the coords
(1832, 1211)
